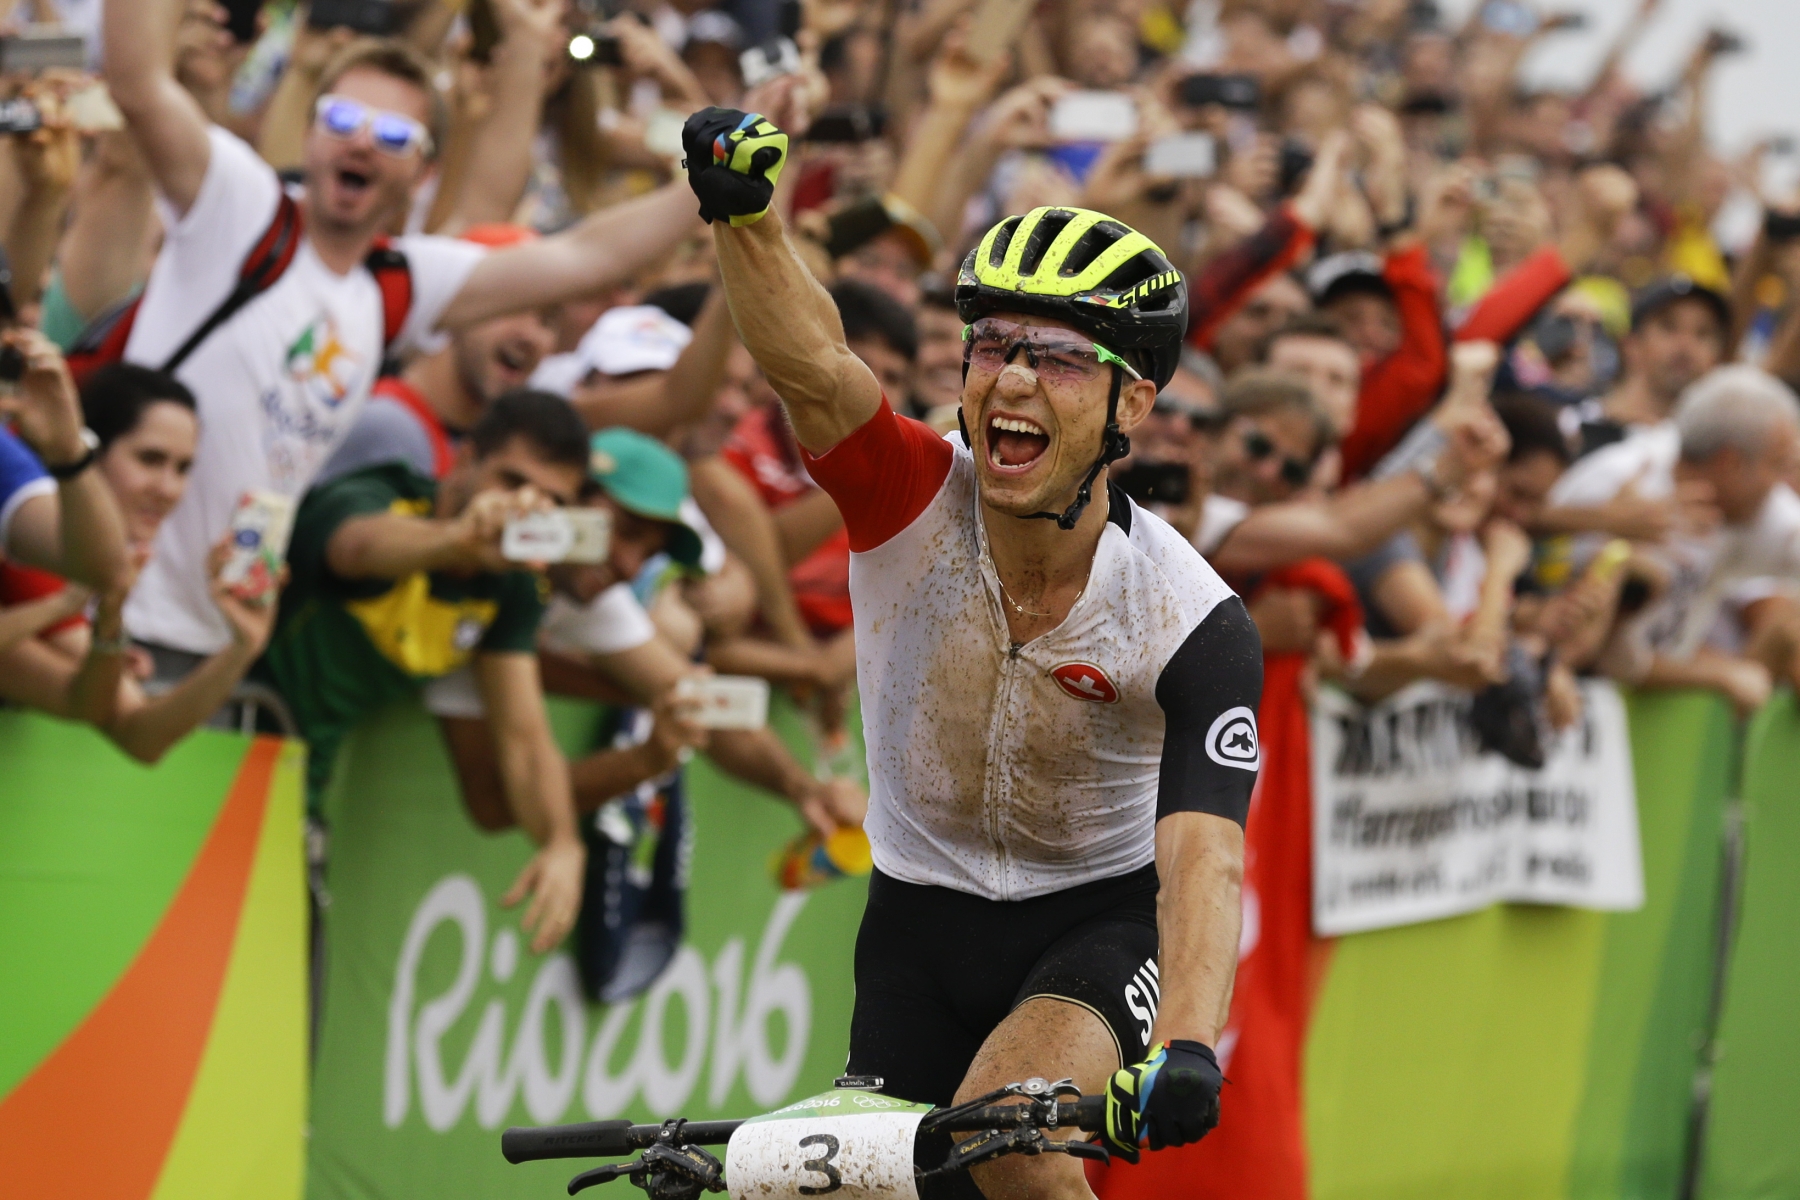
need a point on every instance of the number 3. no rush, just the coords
(821, 1164)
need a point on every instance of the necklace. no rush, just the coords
(1016, 606)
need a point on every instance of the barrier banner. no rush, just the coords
(1527, 1050)
(440, 1027)
(152, 967)
(1413, 822)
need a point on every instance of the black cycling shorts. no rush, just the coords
(937, 970)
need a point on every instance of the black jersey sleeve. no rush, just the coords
(1209, 692)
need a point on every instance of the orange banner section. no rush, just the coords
(96, 1117)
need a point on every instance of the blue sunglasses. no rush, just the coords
(392, 132)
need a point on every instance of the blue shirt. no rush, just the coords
(22, 476)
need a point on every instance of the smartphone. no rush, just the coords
(848, 123)
(260, 526)
(577, 535)
(775, 57)
(1156, 482)
(240, 19)
(1093, 117)
(1292, 165)
(1183, 155)
(596, 49)
(91, 110)
(20, 115)
(376, 17)
(996, 27)
(1231, 91)
(42, 48)
(662, 132)
(727, 701)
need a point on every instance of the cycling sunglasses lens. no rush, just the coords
(342, 118)
(395, 134)
(1067, 361)
(990, 342)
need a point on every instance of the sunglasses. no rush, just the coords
(1058, 356)
(1259, 446)
(393, 133)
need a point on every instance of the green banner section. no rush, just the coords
(1525, 1051)
(1753, 1137)
(440, 1027)
(92, 848)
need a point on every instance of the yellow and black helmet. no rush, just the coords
(1100, 275)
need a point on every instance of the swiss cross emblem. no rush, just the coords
(1085, 681)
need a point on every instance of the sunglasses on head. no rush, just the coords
(1294, 471)
(1059, 356)
(393, 133)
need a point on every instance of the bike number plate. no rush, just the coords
(851, 1145)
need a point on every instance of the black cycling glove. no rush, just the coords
(1169, 1099)
(733, 160)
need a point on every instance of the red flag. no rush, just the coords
(1258, 1152)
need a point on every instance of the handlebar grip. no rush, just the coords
(590, 1139)
(1090, 1113)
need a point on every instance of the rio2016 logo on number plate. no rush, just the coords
(848, 1144)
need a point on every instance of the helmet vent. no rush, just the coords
(1091, 246)
(1043, 236)
(1003, 237)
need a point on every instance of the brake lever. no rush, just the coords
(1022, 1139)
(665, 1171)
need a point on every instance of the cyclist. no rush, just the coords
(1059, 694)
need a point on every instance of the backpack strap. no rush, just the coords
(403, 393)
(394, 277)
(271, 255)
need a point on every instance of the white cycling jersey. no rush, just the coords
(1013, 771)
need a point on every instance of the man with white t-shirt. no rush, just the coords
(284, 376)
(1735, 434)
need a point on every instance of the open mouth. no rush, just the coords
(354, 182)
(1014, 443)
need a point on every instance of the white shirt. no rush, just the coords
(1014, 771)
(1726, 569)
(1645, 459)
(278, 385)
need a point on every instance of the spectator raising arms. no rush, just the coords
(281, 373)
(144, 434)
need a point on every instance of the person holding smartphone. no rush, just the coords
(399, 579)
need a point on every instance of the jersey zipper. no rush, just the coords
(999, 764)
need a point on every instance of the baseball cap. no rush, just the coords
(1672, 288)
(1346, 273)
(645, 478)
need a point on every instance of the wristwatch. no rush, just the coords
(90, 441)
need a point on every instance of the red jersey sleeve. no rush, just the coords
(883, 475)
(1400, 388)
(1516, 297)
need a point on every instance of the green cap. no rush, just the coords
(646, 478)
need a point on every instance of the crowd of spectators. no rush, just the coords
(1478, 363)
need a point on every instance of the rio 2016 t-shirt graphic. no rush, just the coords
(278, 385)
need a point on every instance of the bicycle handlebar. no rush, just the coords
(615, 1139)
